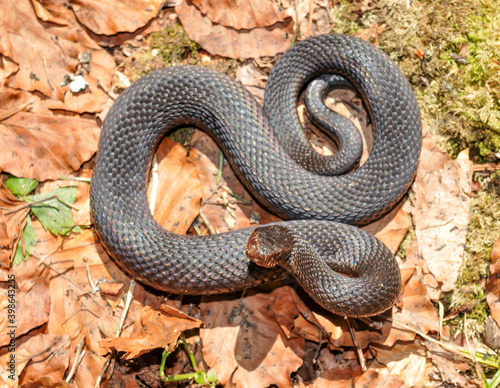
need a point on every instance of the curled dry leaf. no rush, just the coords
(243, 342)
(52, 54)
(153, 330)
(228, 42)
(441, 214)
(241, 14)
(109, 17)
(113, 289)
(179, 190)
(408, 361)
(12, 220)
(42, 146)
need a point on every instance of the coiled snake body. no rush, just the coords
(356, 275)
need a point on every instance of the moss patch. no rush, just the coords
(484, 229)
(172, 46)
(449, 50)
(408, 238)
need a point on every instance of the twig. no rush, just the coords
(101, 375)
(359, 352)
(197, 229)
(328, 13)
(59, 273)
(221, 166)
(105, 90)
(128, 301)
(93, 287)
(79, 353)
(485, 167)
(441, 316)
(230, 210)
(237, 196)
(207, 222)
(297, 24)
(484, 358)
(30, 204)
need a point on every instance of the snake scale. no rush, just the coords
(341, 266)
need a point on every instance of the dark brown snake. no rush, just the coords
(342, 267)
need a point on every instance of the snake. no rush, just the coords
(342, 267)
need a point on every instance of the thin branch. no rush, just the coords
(207, 222)
(359, 351)
(128, 301)
(79, 353)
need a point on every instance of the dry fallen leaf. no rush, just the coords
(243, 342)
(449, 366)
(441, 213)
(417, 309)
(49, 357)
(44, 146)
(228, 42)
(72, 300)
(109, 17)
(153, 330)
(35, 57)
(241, 14)
(32, 300)
(179, 190)
(351, 376)
(408, 361)
(392, 228)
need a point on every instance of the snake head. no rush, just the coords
(269, 246)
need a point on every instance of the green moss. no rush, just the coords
(175, 46)
(183, 136)
(473, 318)
(459, 101)
(483, 230)
(408, 238)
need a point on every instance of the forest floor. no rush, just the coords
(69, 316)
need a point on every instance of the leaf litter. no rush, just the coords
(71, 294)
